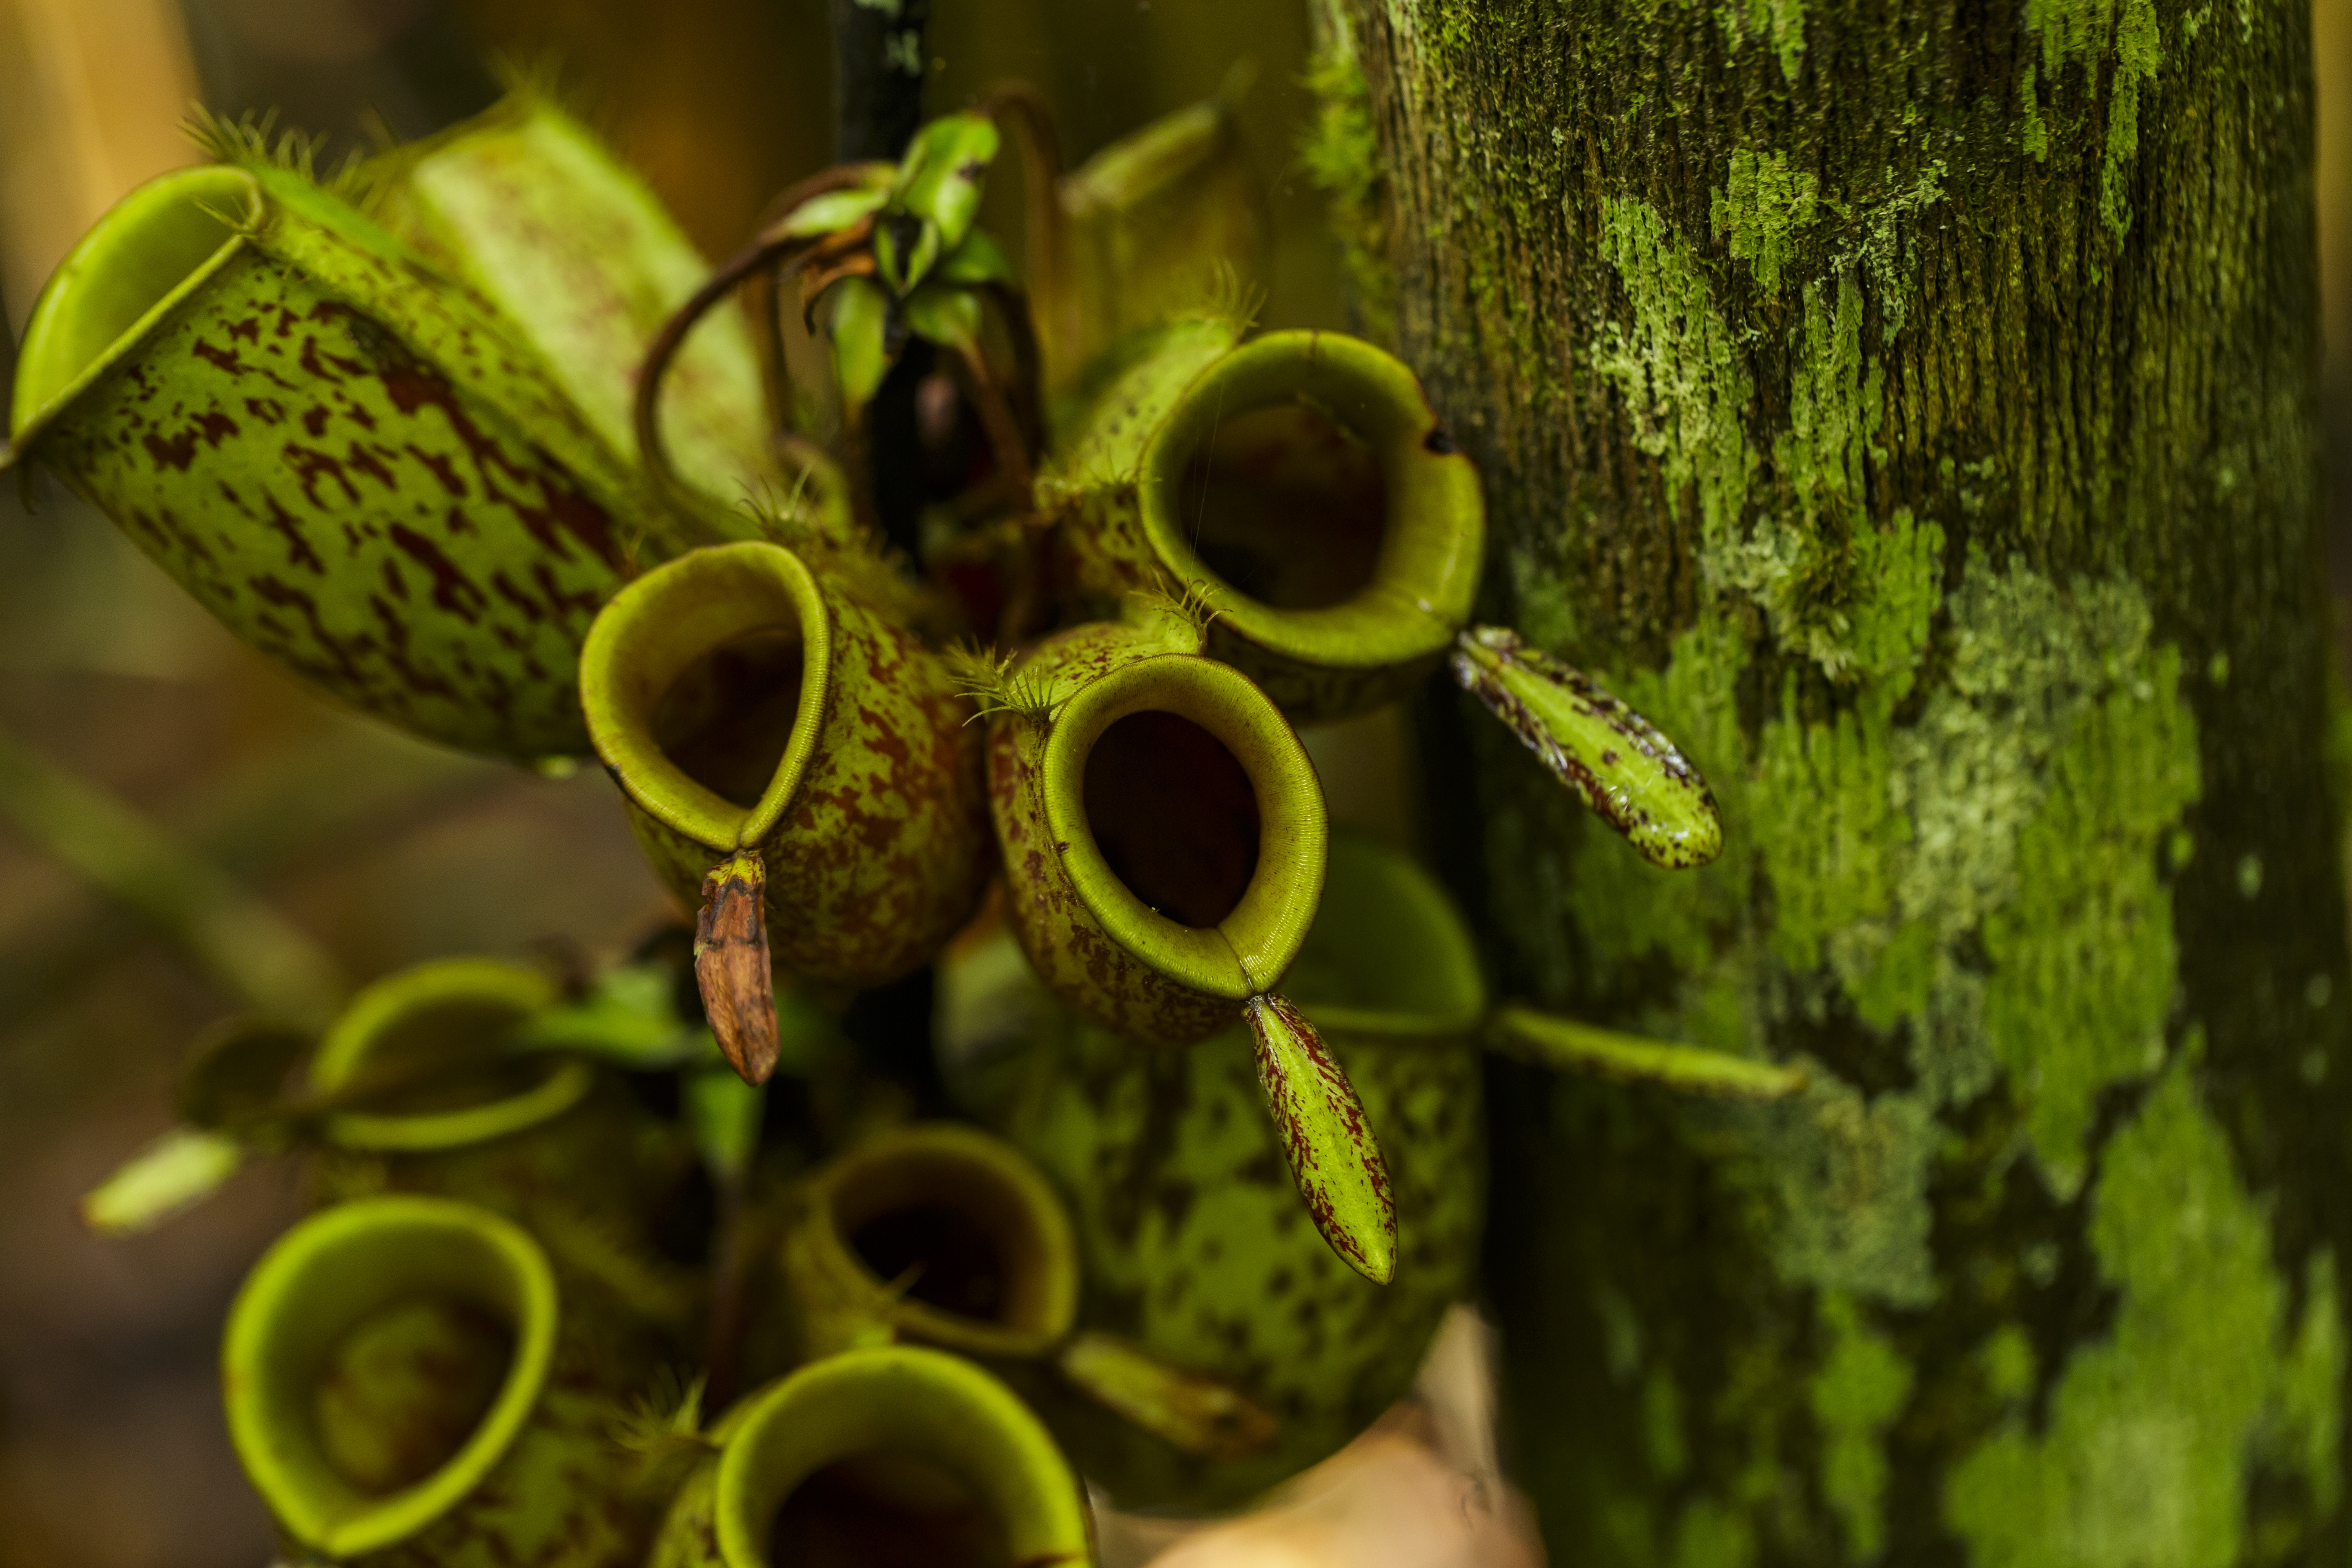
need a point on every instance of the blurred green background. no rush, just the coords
(384, 851)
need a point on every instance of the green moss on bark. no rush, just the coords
(1677, 363)
(1764, 205)
(1862, 1385)
(1341, 154)
(2152, 1433)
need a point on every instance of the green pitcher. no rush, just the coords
(471, 1077)
(1301, 485)
(443, 1105)
(1162, 832)
(1161, 826)
(1193, 1245)
(798, 763)
(942, 1233)
(1302, 491)
(894, 1454)
(405, 1384)
(345, 457)
(533, 211)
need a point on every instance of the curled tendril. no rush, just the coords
(774, 248)
(899, 239)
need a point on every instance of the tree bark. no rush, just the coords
(1910, 407)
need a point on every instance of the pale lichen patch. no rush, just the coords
(1850, 1174)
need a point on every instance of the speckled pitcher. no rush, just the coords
(942, 1233)
(405, 1386)
(1301, 485)
(750, 707)
(894, 1448)
(1193, 1245)
(348, 460)
(531, 210)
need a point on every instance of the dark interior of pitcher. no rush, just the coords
(402, 1390)
(887, 1511)
(1288, 505)
(447, 1056)
(946, 1253)
(728, 717)
(1174, 816)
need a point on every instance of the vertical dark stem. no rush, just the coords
(723, 1348)
(877, 76)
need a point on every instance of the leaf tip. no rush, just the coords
(1327, 1141)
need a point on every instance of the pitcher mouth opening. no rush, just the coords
(1191, 821)
(378, 1363)
(884, 1508)
(424, 1051)
(704, 683)
(150, 250)
(1174, 815)
(963, 1233)
(1286, 504)
(726, 720)
(1305, 482)
(405, 1386)
(890, 1455)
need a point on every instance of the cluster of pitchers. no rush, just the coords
(457, 435)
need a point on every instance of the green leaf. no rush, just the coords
(1329, 1146)
(1619, 764)
(941, 178)
(978, 259)
(182, 1168)
(944, 314)
(626, 1019)
(831, 213)
(900, 262)
(722, 1113)
(860, 330)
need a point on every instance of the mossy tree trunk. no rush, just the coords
(1910, 407)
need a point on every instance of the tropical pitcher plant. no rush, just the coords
(468, 438)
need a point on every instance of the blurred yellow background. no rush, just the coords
(376, 851)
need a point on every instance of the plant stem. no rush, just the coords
(1566, 1044)
(251, 948)
(877, 76)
